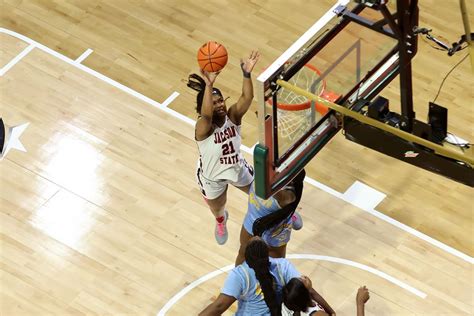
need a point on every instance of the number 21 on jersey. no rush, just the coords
(228, 149)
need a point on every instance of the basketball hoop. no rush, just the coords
(296, 113)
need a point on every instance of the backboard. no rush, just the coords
(336, 59)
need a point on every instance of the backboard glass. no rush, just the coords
(336, 59)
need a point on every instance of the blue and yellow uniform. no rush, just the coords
(277, 236)
(242, 284)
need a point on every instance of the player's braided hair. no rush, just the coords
(2, 135)
(273, 219)
(296, 296)
(256, 256)
(198, 84)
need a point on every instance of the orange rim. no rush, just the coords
(305, 105)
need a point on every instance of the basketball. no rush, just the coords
(212, 56)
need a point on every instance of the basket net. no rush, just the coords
(296, 113)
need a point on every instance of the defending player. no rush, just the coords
(272, 219)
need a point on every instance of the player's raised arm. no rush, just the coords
(362, 298)
(204, 122)
(237, 111)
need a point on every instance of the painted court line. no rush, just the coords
(191, 286)
(364, 267)
(422, 236)
(84, 55)
(186, 119)
(363, 196)
(354, 264)
(170, 99)
(300, 42)
(15, 60)
(82, 67)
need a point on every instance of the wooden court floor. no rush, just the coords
(102, 215)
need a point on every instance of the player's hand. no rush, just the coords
(248, 63)
(362, 295)
(209, 77)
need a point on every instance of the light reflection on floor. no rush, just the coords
(66, 218)
(73, 163)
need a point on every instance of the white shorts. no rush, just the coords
(213, 189)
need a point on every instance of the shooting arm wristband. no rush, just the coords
(245, 73)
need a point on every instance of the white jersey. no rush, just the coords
(220, 157)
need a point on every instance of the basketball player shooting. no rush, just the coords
(218, 136)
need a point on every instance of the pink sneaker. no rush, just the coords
(221, 230)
